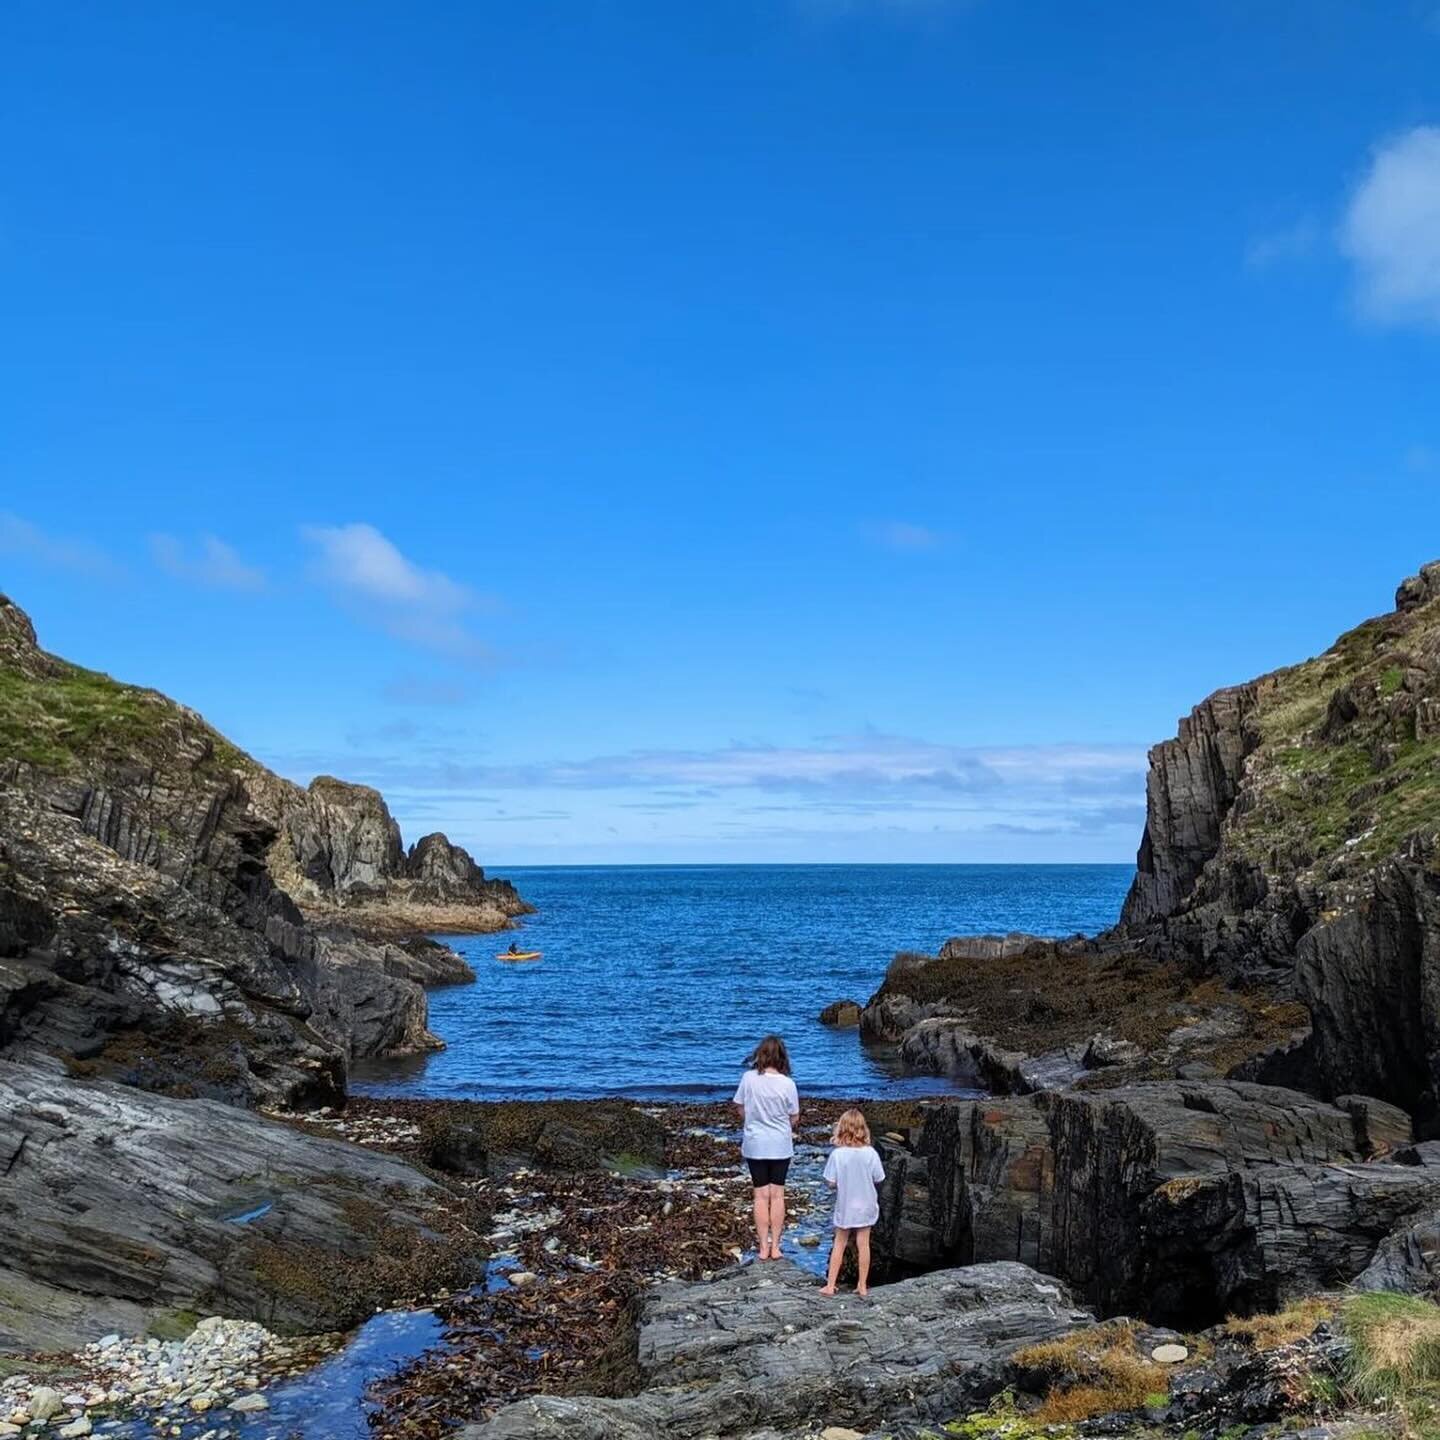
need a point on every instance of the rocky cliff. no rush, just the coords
(1284, 921)
(1292, 839)
(174, 914)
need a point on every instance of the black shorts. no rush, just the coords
(768, 1172)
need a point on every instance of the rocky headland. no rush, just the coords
(187, 941)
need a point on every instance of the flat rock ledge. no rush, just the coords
(758, 1351)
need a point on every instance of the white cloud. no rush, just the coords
(1391, 230)
(56, 552)
(212, 562)
(905, 536)
(421, 607)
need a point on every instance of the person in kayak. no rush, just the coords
(514, 947)
(770, 1103)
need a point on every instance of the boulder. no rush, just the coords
(118, 1203)
(759, 1349)
(843, 1014)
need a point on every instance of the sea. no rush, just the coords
(656, 981)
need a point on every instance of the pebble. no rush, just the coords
(246, 1404)
(810, 1242)
(75, 1429)
(45, 1403)
(522, 1277)
(840, 1432)
(6, 1428)
(1169, 1354)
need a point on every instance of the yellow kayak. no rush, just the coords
(519, 954)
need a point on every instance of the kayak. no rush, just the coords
(519, 954)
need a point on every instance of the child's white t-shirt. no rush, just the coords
(855, 1171)
(770, 1099)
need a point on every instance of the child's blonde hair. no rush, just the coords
(851, 1129)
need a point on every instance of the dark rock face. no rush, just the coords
(117, 1204)
(759, 1349)
(843, 1014)
(1371, 979)
(1192, 784)
(1179, 1201)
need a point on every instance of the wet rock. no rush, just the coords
(120, 1203)
(45, 1403)
(843, 1014)
(944, 1046)
(497, 1138)
(759, 1348)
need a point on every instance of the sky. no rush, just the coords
(759, 430)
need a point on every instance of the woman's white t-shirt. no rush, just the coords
(770, 1099)
(855, 1171)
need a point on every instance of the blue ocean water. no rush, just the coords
(657, 980)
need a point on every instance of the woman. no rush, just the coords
(771, 1106)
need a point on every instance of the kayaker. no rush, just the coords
(514, 947)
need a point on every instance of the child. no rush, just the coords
(853, 1170)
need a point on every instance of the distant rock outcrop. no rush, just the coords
(338, 852)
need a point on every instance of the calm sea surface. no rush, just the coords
(657, 980)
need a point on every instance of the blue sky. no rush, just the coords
(759, 430)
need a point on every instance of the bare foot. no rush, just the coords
(862, 1292)
(827, 1289)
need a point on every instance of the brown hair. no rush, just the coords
(769, 1054)
(851, 1129)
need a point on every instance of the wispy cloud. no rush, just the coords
(903, 535)
(425, 691)
(209, 562)
(1391, 230)
(55, 552)
(868, 765)
(421, 607)
(1283, 245)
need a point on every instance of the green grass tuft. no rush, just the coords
(1395, 1347)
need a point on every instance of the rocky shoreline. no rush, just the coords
(1216, 1117)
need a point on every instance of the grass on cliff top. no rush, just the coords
(1372, 783)
(61, 721)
